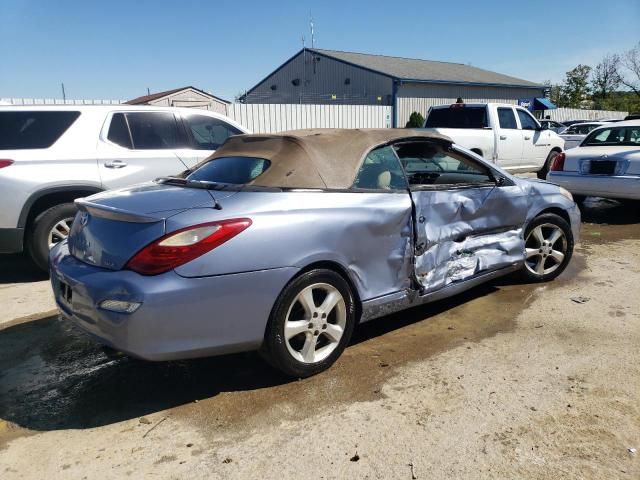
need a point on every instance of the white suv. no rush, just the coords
(50, 156)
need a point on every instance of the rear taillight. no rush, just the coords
(557, 164)
(5, 163)
(182, 246)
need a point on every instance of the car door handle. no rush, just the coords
(503, 137)
(527, 138)
(115, 164)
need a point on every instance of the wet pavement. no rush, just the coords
(53, 377)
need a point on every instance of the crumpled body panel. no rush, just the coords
(462, 233)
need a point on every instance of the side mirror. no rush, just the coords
(498, 179)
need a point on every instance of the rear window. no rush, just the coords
(457, 117)
(627, 136)
(25, 130)
(234, 170)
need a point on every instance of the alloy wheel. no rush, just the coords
(59, 232)
(545, 247)
(315, 323)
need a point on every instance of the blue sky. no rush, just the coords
(116, 49)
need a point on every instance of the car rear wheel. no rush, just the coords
(542, 173)
(310, 325)
(49, 228)
(548, 247)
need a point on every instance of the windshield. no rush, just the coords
(580, 129)
(233, 170)
(457, 117)
(614, 136)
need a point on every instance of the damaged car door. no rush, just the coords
(468, 218)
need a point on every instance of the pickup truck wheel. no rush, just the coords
(548, 247)
(310, 325)
(542, 173)
(48, 229)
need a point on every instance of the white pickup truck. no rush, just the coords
(507, 135)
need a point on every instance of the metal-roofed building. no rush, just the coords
(316, 76)
(183, 97)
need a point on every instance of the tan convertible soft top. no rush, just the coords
(315, 158)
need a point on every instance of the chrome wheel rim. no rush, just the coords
(545, 248)
(315, 323)
(59, 232)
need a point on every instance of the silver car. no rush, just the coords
(606, 164)
(576, 133)
(284, 243)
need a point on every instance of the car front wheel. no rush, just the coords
(548, 247)
(311, 324)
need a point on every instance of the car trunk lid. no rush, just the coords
(611, 160)
(113, 226)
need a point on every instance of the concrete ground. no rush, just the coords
(506, 381)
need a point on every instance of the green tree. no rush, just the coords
(576, 86)
(605, 79)
(416, 120)
(630, 72)
(556, 94)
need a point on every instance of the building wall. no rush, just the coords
(322, 80)
(269, 118)
(192, 99)
(418, 97)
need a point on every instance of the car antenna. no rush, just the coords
(182, 162)
(216, 204)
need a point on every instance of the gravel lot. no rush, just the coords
(505, 381)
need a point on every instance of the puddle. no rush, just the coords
(606, 221)
(53, 377)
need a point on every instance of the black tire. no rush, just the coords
(38, 236)
(547, 222)
(275, 347)
(542, 173)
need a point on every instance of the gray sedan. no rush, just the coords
(284, 243)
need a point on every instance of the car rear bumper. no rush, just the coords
(11, 240)
(607, 186)
(178, 317)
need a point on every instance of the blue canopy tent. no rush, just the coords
(538, 103)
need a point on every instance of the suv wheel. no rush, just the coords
(310, 325)
(48, 229)
(548, 247)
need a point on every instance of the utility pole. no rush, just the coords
(148, 92)
(64, 95)
(312, 35)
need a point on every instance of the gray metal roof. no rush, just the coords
(425, 70)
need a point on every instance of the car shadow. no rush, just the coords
(18, 268)
(53, 376)
(607, 211)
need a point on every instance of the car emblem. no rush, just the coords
(605, 156)
(84, 219)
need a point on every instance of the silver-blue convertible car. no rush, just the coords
(284, 243)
